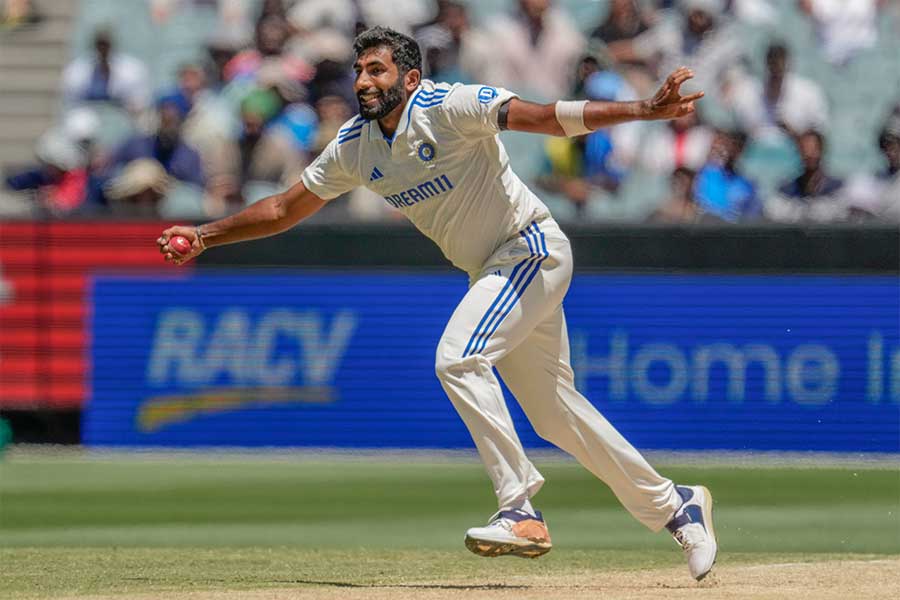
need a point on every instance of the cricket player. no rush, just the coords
(432, 151)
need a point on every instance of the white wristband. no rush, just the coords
(570, 115)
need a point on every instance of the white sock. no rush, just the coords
(526, 506)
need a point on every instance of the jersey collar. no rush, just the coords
(407, 110)
(403, 125)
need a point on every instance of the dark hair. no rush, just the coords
(813, 133)
(777, 50)
(404, 50)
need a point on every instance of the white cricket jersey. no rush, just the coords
(445, 169)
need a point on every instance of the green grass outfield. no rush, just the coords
(72, 525)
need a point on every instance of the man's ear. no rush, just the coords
(412, 79)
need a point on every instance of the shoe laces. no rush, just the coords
(685, 538)
(681, 539)
(502, 522)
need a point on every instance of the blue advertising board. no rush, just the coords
(345, 359)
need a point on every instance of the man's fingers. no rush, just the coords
(680, 75)
(681, 78)
(693, 97)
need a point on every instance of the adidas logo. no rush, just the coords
(376, 174)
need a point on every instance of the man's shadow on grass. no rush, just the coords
(428, 586)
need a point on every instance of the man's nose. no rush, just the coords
(363, 82)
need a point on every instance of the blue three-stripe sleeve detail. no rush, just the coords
(348, 138)
(356, 123)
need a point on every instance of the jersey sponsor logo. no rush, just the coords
(433, 187)
(426, 152)
(376, 175)
(486, 94)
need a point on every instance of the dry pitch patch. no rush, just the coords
(870, 579)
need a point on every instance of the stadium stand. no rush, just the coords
(165, 35)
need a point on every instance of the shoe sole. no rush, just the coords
(491, 549)
(708, 520)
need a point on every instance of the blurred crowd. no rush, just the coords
(274, 84)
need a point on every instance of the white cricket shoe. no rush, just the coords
(511, 532)
(692, 528)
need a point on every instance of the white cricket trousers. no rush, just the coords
(512, 319)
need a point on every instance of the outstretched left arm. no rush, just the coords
(667, 103)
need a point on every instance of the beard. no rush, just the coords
(386, 102)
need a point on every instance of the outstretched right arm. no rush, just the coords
(269, 216)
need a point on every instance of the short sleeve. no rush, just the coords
(329, 175)
(473, 109)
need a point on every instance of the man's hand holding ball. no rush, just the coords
(180, 244)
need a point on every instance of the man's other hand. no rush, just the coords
(668, 103)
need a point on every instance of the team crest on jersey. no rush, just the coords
(426, 152)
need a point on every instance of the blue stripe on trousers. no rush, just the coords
(512, 290)
(497, 300)
(527, 276)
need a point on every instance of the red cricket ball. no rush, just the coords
(180, 245)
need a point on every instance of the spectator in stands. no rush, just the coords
(589, 64)
(844, 28)
(719, 189)
(333, 111)
(190, 86)
(108, 76)
(877, 197)
(814, 182)
(308, 16)
(271, 37)
(701, 37)
(400, 15)
(139, 189)
(332, 78)
(758, 13)
(532, 50)
(813, 195)
(442, 43)
(81, 126)
(209, 126)
(679, 206)
(15, 14)
(263, 153)
(208, 115)
(625, 22)
(784, 100)
(166, 146)
(296, 119)
(59, 179)
(273, 8)
(577, 167)
(680, 143)
(221, 48)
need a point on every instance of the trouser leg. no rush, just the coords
(538, 373)
(500, 310)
